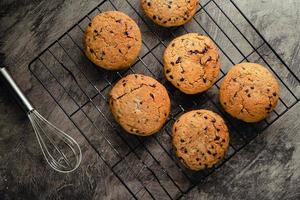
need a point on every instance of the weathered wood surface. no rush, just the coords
(28, 28)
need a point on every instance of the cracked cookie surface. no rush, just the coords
(140, 104)
(112, 40)
(169, 13)
(191, 63)
(200, 139)
(249, 92)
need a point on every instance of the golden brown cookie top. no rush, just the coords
(191, 63)
(112, 40)
(249, 92)
(140, 104)
(200, 139)
(170, 13)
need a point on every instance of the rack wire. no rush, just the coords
(147, 167)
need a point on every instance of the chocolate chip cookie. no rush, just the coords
(170, 13)
(200, 139)
(112, 40)
(191, 63)
(249, 92)
(140, 104)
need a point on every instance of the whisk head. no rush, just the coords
(60, 150)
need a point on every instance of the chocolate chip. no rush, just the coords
(249, 95)
(178, 60)
(184, 18)
(213, 120)
(90, 24)
(136, 76)
(165, 22)
(268, 90)
(166, 114)
(225, 103)
(182, 79)
(194, 52)
(92, 50)
(204, 50)
(141, 102)
(183, 149)
(252, 87)
(218, 129)
(217, 138)
(154, 17)
(95, 31)
(178, 84)
(270, 105)
(204, 80)
(169, 19)
(274, 94)
(197, 159)
(181, 140)
(124, 84)
(128, 46)
(172, 63)
(223, 140)
(208, 151)
(126, 33)
(111, 31)
(205, 117)
(120, 51)
(214, 154)
(169, 6)
(268, 108)
(175, 129)
(171, 77)
(168, 71)
(205, 128)
(151, 95)
(149, 4)
(173, 45)
(246, 90)
(118, 21)
(208, 59)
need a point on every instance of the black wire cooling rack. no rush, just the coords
(147, 167)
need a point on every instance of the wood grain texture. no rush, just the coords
(150, 168)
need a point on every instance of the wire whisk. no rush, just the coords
(60, 150)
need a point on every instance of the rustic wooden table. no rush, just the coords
(267, 168)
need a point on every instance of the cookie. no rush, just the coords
(140, 104)
(191, 63)
(112, 40)
(249, 92)
(200, 139)
(170, 13)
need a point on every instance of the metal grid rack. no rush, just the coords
(80, 90)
